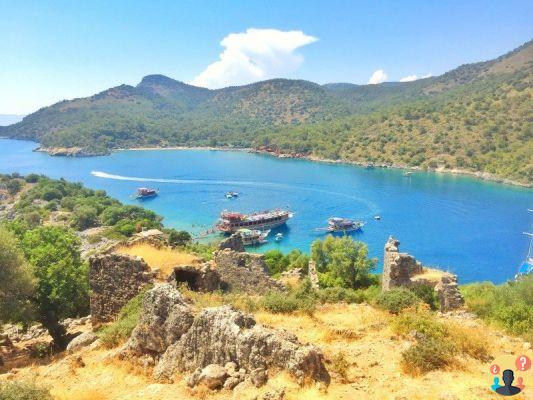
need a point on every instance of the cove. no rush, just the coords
(470, 227)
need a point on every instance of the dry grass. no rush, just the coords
(363, 355)
(164, 259)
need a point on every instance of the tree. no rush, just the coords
(61, 277)
(16, 282)
(179, 238)
(84, 217)
(342, 262)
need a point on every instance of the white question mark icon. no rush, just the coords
(523, 361)
(494, 369)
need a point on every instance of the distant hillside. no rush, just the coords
(9, 119)
(476, 117)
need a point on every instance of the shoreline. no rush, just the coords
(483, 176)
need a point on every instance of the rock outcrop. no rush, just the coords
(114, 279)
(313, 275)
(228, 341)
(81, 341)
(244, 272)
(234, 242)
(198, 278)
(402, 269)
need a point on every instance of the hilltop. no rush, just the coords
(473, 118)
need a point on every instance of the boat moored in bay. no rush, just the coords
(252, 237)
(336, 224)
(231, 221)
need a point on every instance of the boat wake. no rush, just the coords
(301, 189)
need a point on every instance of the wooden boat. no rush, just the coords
(231, 221)
(336, 224)
(252, 237)
(143, 193)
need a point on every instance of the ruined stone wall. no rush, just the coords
(244, 272)
(113, 280)
(403, 270)
(313, 275)
(234, 242)
(198, 278)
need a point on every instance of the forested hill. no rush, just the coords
(476, 117)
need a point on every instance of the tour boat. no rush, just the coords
(336, 224)
(252, 237)
(231, 221)
(143, 193)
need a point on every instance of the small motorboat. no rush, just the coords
(252, 237)
(278, 237)
(231, 195)
(144, 193)
(407, 173)
(377, 217)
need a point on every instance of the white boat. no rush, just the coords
(230, 221)
(336, 224)
(278, 237)
(252, 237)
(231, 195)
(377, 217)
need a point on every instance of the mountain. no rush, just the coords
(9, 119)
(474, 118)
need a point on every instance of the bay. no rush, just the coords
(470, 227)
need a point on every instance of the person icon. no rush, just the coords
(508, 389)
(496, 383)
(520, 383)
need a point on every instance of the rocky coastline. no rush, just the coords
(485, 176)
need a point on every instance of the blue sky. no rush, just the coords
(52, 50)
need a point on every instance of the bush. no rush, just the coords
(427, 355)
(120, 330)
(277, 262)
(23, 391)
(421, 322)
(397, 299)
(509, 305)
(302, 298)
(178, 238)
(427, 294)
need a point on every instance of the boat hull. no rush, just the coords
(259, 226)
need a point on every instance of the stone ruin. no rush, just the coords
(198, 279)
(234, 242)
(403, 270)
(313, 275)
(114, 279)
(220, 346)
(244, 272)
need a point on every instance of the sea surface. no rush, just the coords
(470, 227)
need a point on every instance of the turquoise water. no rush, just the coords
(470, 227)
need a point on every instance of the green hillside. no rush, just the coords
(476, 117)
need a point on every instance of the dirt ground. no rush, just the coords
(358, 332)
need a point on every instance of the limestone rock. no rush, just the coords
(199, 279)
(213, 376)
(81, 341)
(114, 279)
(234, 242)
(164, 319)
(244, 272)
(258, 377)
(274, 394)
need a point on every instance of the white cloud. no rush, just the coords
(256, 54)
(378, 76)
(411, 78)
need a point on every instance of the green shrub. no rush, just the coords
(509, 305)
(119, 331)
(302, 298)
(397, 299)
(23, 391)
(427, 355)
(427, 294)
(421, 322)
(178, 238)
(338, 294)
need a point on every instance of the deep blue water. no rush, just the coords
(470, 227)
